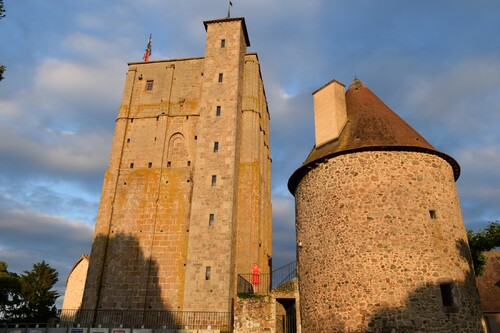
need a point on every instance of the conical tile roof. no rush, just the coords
(371, 125)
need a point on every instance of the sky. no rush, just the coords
(435, 63)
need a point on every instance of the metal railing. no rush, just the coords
(284, 274)
(286, 324)
(254, 283)
(264, 283)
(154, 319)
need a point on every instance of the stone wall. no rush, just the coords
(190, 151)
(380, 239)
(255, 315)
(265, 313)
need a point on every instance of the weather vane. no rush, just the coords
(229, 9)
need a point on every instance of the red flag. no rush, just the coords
(147, 53)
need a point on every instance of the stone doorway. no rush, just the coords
(286, 320)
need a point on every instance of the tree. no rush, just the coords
(38, 300)
(2, 15)
(10, 286)
(482, 241)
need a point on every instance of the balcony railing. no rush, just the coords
(264, 283)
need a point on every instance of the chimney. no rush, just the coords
(330, 114)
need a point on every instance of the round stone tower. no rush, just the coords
(381, 244)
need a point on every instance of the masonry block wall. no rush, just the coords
(381, 241)
(169, 233)
(371, 248)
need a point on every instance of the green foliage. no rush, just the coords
(250, 295)
(482, 241)
(2, 70)
(38, 298)
(9, 289)
(2, 15)
(28, 298)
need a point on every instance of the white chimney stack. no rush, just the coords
(330, 113)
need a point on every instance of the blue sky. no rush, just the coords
(435, 63)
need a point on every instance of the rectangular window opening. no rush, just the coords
(218, 111)
(208, 271)
(188, 163)
(223, 43)
(149, 85)
(214, 180)
(131, 165)
(221, 77)
(128, 140)
(447, 294)
(211, 219)
(432, 214)
(169, 164)
(150, 164)
(216, 147)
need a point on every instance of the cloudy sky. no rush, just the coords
(436, 63)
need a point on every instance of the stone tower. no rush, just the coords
(185, 203)
(381, 241)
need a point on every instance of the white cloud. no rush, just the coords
(73, 153)
(457, 95)
(56, 79)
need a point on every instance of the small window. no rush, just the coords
(131, 120)
(211, 219)
(223, 43)
(216, 147)
(208, 271)
(432, 214)
(150, 164)
(188, 163)
(131, 165)
(214, 180)
(218, 110)
(128, 140)
(221, 77)
(196, 137)
(149, 85)
(169, 164)
(447, 294)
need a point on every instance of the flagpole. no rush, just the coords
(229, 9)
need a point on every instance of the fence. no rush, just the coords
(154, 319)
(284, 274)
(286, 324)
(264, 283)
(254, 284)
